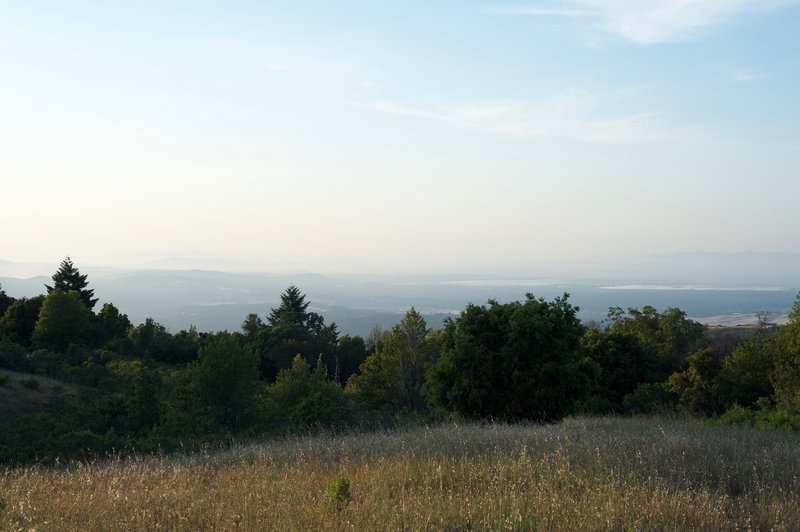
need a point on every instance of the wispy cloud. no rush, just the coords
(575, 116)
(746, 76)
(650, 21)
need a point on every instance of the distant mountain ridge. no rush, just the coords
(215, 300)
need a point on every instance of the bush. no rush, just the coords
(338, 491)
(12, 355)
(301, 397)
(650, 398)
(29, 383)
(512, 361)
(779, 419)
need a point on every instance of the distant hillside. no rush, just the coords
(704, 285)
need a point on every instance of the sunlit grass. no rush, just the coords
(601, 474)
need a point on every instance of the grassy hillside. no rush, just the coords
(608, 473)
(23, 392)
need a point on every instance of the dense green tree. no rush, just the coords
(152, 339)
(292, 310)
(19, 319)
(518, 360)
(785, 348)
(351, 351)
(185, 344)
(68, 278)
(292, 330)
(393, 375)
(226, 381)
(745, 374)
(698, 385)
(63, 320)
(670, 333)
(139, 386)
(624, 363)
(112, 322)
(277, 347)
(301, 397)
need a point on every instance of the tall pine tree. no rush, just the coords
(292, 310)
(68, 278)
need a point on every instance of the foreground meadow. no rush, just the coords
(601, 473)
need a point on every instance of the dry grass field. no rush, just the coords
(582, 474)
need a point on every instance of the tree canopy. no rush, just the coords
(118, 386)
(518, 360)
(394, 374)
(292, 310)
(63, 320)
(68, 278)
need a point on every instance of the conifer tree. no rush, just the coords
(292, 310)
(68, 278)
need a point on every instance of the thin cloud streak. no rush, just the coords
(744, 76)
(647, 22)
(573, 117)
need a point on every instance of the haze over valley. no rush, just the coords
(715, 288)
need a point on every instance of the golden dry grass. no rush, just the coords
(587, 474)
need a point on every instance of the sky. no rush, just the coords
(410, 137)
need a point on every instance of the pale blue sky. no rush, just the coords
(463, 137)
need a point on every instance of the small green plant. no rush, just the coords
(4, 380)
(30, 383)
(338, 490)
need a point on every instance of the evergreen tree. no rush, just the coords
(251, 325)
(292, 310)
(291, 330)
(68, 278)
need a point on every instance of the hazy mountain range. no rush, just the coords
(720, 288)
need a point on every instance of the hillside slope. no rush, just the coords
(595, 474)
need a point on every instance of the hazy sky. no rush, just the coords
(411, 136)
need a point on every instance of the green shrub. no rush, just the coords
(338, 490)
(650, 398)
(30, 383)
(301, 397)
(4, 380)
(779, 419)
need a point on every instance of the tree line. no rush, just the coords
(140, 388)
